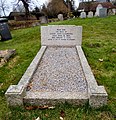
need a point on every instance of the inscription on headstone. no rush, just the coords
(61, 35)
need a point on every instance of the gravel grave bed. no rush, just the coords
(59, 70)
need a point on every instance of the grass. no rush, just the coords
(99, 42)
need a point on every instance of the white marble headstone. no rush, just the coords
(60, 17)
(83, 15)
(90, 14)
(61, 35)
(97, 9)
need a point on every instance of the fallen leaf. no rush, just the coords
(1, 84)
(101, 60)
(38, 118)
(43, 107)
(61, 118)
(46, 115)
(31, 107)
(62, 114)
(52, 107)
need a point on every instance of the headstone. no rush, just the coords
(114, 11)
(83, 15)
(61, 35)
(103, 12)
(90, 14)
(43, 19)
(60, 17)
(97, 9)
(5, 32)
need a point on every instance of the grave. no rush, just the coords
(59, 73)
(103, 12)
(90, 14)
(43, 19)
(4, 31)
(83, 15)
(97, 9)
(60, 17)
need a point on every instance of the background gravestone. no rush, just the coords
(90, 14)
(114, 11)
(43, 19)
(83, 15)
(103, 12)
(60, 17)
(97, 9)
(5, 32)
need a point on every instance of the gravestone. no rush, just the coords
(114, 11)
(43, 19)
(90, 14)
(111, 11)
(61, 35)
(60, 17)
(103, 12)
(83, 15)
(97, 9)
(59, 73)
(5, 32)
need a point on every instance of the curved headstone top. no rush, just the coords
(61, 35)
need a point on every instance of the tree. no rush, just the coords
(4, 6)
(26, 6)
(36, 12)
(19, 8)
(55, 7)
(70, 4)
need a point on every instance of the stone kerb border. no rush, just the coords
(97, 94)
(15, 93)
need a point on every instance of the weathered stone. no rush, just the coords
(103, 12)
(60, 17)
(43, 19)
(97, 9)
(83, 15)
(90, 14)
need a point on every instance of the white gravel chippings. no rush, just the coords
(59, 70)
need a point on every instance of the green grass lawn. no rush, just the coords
(99, 42)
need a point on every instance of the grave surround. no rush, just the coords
(55, 39)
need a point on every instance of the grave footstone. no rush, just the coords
(60, 17)
(83, 15)
(90, 14)
(4, 31)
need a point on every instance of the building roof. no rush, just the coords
(17, 13)
(91, 6)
